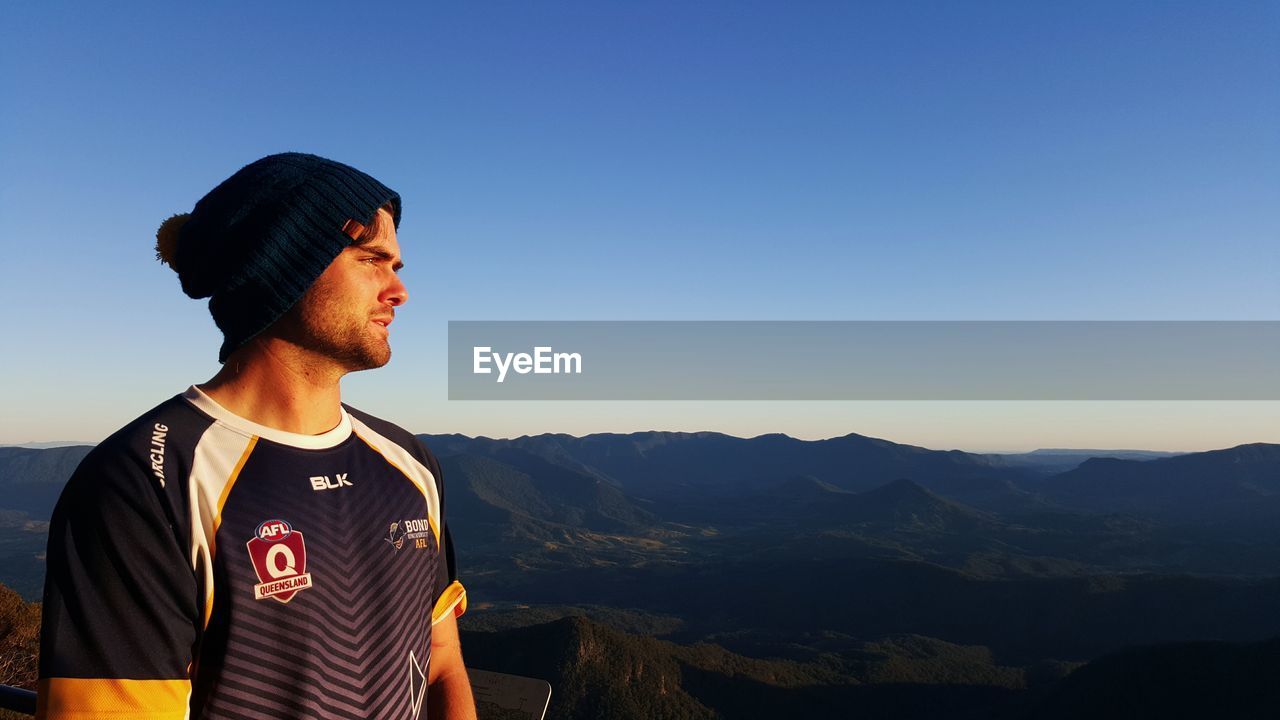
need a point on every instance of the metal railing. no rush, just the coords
(512, 693)
(17, 700)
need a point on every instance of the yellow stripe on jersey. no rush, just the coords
(453, 598)
(427, 494)
(217, 518)
(91, 698)
(231, 481)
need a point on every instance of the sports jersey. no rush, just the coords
(201, 565)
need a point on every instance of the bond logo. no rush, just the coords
(403, 530)
(395, 535)
(280, 560)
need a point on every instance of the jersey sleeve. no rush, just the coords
(120, 598)
(450, 595)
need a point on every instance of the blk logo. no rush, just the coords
(322, 482)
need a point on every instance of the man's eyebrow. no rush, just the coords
(381, 254)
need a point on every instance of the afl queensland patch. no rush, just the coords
(280, 559)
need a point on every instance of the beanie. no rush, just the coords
(257, 241)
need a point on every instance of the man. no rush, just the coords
(253, 548)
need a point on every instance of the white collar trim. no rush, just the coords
(324, 440)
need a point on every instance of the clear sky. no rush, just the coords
(655, 160)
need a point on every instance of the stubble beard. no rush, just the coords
(337, 333)
(353, 347)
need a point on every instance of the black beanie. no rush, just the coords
(256, 242)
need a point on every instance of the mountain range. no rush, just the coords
(725, 576)
(598, 671)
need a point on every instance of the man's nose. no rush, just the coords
(396, 293)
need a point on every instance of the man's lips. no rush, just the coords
(383, 320)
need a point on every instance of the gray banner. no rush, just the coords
(864, 360)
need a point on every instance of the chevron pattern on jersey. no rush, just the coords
(340, 647)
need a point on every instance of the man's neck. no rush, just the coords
(271, 384)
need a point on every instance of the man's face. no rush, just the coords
(344, 315)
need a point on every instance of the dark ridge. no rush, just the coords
(31, 479)
(1183, 680)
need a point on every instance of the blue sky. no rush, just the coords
(610, 160)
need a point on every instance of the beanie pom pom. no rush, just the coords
(167, 239)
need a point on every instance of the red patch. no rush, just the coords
(280, 559)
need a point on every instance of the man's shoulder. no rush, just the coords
(385, 428)
(151, 449)
(160, 426)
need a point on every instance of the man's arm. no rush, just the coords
(120, 608)
(448, 688)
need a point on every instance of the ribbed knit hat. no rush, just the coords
(257, 241)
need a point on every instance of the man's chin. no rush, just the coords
(371, 362)
(368, 357)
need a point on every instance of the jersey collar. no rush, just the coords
(327, 439)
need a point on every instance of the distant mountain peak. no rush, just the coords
(907, 504)
(1109, 462)
(1213, 486)
(1258, 450)
(48, 444)
(1093, 452)
(903, 488)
